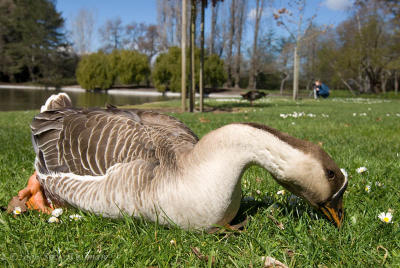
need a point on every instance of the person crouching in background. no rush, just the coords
(320, 90)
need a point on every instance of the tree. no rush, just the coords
(169, 20)
(294, 20)
(132, 67)
(142, 38)
(183, 55)
(95, 71)
(82, 31)
(231, 37)
(257, 18)
(192, 91)
(112, 35)
(31, 37)
(167, 73)
(241, 18)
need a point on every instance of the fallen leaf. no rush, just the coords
(204, 120)
(202, 257)
(15, 202)
(277, 223)
(290, 252)
(270, 262)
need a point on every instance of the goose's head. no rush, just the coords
(306, 170)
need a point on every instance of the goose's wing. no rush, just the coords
(88, 142)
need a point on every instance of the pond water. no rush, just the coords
(28, 99)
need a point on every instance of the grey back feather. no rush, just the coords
(89, 141)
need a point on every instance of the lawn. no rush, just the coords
(355, 132)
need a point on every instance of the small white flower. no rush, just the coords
(378, 183)
(173, 242)
(283, 115)
(75, 217)
(311, 115)
(387, 114)
(53, 219)
(258, 191)
(385, 217)
(293, 123)
(325, 115)
(281, 192)
(361, 170)
(367, 188)
(354, 114)
(57, 212)
(17, 211)
(353, 219)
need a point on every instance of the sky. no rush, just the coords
(330, 12)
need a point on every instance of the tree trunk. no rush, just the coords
(283, 82)
(254, 62)
(183, 57)
(201, 78)
(296, 73)
(192, 54)
(214, 12)
(240, 23)
(230, 43)
(396, 82)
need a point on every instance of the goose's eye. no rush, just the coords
(330, 174)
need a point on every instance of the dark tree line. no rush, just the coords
(33, 46)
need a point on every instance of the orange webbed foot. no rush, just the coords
(36, 198)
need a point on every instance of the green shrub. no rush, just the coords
(167, 70)
(95, 72)
(133, 67)
(214, 71)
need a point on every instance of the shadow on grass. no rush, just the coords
(250, 208)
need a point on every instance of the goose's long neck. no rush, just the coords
(224, 154)
(212, 170)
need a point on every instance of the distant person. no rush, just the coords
(320, 90)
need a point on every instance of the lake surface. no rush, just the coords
(31, 99)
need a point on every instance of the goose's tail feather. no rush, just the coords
(54, 102)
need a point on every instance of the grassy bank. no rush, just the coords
(355, 132)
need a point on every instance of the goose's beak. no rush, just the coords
(333, 209)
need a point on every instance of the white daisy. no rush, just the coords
(17, 211)
(57, 212)
(281, 192)
(385, 217)
(53, 219)
(75, 217)
(367, 188)
(361, 170)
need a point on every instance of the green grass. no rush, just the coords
(353, 141)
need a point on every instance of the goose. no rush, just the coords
(253, 95)
(115, 162)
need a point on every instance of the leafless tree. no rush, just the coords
(82, 31)
(142, 38)
(183, 56)
(240, 21)
(169, 20)
(253, 65)
(294, 20)
(231, 41)
(192, 92)
(112, 34)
